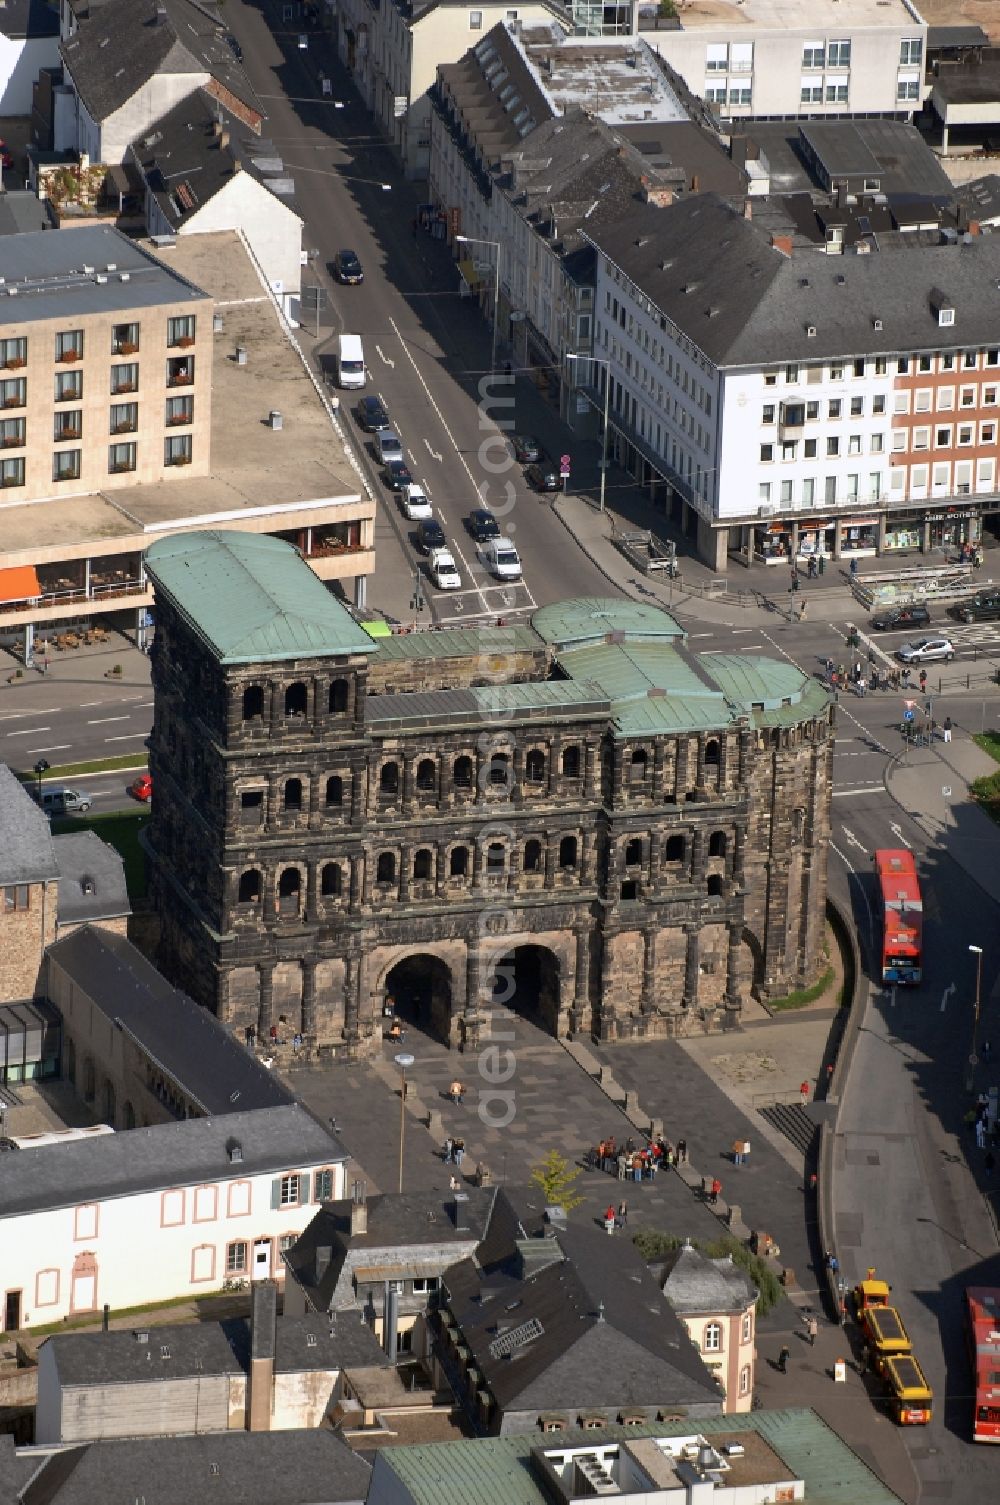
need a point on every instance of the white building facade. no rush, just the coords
(761, 60)
(86, 1224)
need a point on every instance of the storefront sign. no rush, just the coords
(952, 512)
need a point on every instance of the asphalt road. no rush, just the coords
(427, 348)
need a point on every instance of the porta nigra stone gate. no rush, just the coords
(578, 818)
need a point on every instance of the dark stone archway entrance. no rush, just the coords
(420, 987)
(527, 981)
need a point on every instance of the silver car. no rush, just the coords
(926, 651)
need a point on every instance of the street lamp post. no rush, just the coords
(477, 240)
(971, 1074)
(403, 1060)
(41, 769)
(599, 361)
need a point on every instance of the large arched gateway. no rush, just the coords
(420, 988)
(527, 980)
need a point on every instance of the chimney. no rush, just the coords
(263, 1333)
(748, 208)
(660, 198)
(161, 15)
(459, 1211)
(359, 1210)
(390, 1321)
(106, 1318)
(223, 140)
(782, 243)
(974, 227)
(695, 184)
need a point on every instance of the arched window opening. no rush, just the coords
(334, 791)
(633, 852)
(458, 862)
(495, 859)
(675, 849)
(637, 769)
(717, 844)
(293, 794)
(340, 696)
(388, 778)
(567, 852)
(571, 763)
(250, 886)
(714, 885)
(253, 703)
(296, 699)
(423, 865)
(426, 776)
(534, 766)
(289, 887)
(331, 882)
(500, 771)
(712, 753)
(532, 856)
(462, 773)
(385, 869)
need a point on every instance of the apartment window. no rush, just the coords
(788, 449)
(290, 1191)
(947, 362)
(907, 87)
(715, 93)
(967, 397)
(11, 433)
(921, 438)
(791, 374)
(424, 1285)
(125, 418)
(124, 339)
(876, 445)
(16, 896)
(475, 20)
(830, 490)
(852, 488)
(812, 411)
(66, 465)
(11, 473)
(813, 55)
(945, 399)
(989, 397)
(67, 425)
(874, 485)
(854, 444)
(902, 366)
(768, 414)
(764, 493)
(740, 94)
(787, 494)
(924, 363)
(766, 454)
(809, 449)
(13, 393)
(835, 408)
(13, 353)
(770, 378)
(180, 331)
(836, 373)
(177, 450)
(966, 434)
(987, 433)
(836, 90)
(878, 404)
(323, 1186)
(942, 437)
(857, 407)
(713, 1337)
(69, 345)
(911, 52)
(717, 57)
(124, 379)
(236, 1258)
(811, 91)
(121, 458)
(180, 372)
(922, 400)
(179, 410)
(745, 1380)
(970, 360)
(898, 441)
(69, 386)
(838, 54)
(746, 1327)
(741, 57)
(832, 445)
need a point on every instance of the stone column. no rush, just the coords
(309, 1001)
(409, 783)
(744, 756)
(359, 793)
(655, 858)
(700, 775)
(649, 972)
(474, 1000)
(551, 860)
(581, 996)
(277, 708)
(592, 770)
(312, 891)
(355, 878)
(405, 873)
(441, 868)
(659, 760)
(698, 848)
(692, 969)
(315, 786)
(683, 765)
(444, 781)
(368, 877)
(265, 1005)
(739, 857)
(352, 1006)
(732, 996)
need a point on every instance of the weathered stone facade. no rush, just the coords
(323, 837)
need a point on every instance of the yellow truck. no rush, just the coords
(883, 1328)
(910, 1398)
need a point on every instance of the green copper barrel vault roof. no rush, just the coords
(252, 598)
(589, 619)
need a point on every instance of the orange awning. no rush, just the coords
(20, 584)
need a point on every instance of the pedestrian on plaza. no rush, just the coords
(249, 1036)
(449, 1150)
(682, 1151)
(802, 609)
(986, 1050)
(854, 569)
(737, 1151)
(454, 1183)
(812, 1328)
(804, 1092)
(864, 1359)
(980, 1134)
(904, 679)
(946, 729)
(715, 1190)
(622, 1214)
(459, 1152)
(783, 1356)
(609, 1219)
(923, 681)
(622, 1166)
(990, 1163)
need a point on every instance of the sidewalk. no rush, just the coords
(932, 786)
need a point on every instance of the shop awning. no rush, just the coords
(20, 584)
(469, 275)
(860, 522)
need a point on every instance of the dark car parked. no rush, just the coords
(483, 525)
(396, 474)
(347, 268)
(526, 449)
(430, 535)
(984, 606)
(235, 47)
(900, 617)
(372, 414)
(542, 477)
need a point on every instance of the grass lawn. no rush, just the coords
(120, 831)
(986, 791)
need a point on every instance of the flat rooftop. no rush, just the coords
(621, 82)
(260, 476)
(85, 270)
(822, 17)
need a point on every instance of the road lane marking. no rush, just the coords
(59, 747)
(102, 720)
(30, 731)
(45, 710)
(839, 794)
(897, 832)
(434, 453)
(946, 995)
(133, 737)
(739, 632)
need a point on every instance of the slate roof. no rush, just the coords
(91, 879)
(251, 598)
(695, 1285)
(187, 1041)
(229, 1468)
(186, 162)
(176, 1154)
(26, 850)
(499, 1470)
(176, 1351)
(22, 211)
(981, 196)
(607, 1337)
(743, 302)
(124, 44)
(400, 1223)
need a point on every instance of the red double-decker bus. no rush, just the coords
(982, 1329)
(902, 916)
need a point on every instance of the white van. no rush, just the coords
(387, 446)
(351, 362)
(501, 558)
(443, 571)
(64, 802)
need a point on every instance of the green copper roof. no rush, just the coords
(589, 619)
(459, 642)
(252, 598)
(499, 1470)
(652, 688)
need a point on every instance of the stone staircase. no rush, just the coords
(791, 1120)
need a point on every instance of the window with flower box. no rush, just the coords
(67, 425)
(67, 465)
(177, 450)
(124, 417)
(69, 386)
(11, 433)
(13, 354)
(179, 410)
(12, 472)
(124, 378)
(69, 345)
(180, 331)
(180, 371)
(121, 458)
(125, 339)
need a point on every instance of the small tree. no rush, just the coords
(557, 1181)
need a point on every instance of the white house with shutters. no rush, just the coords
(150, 1214)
